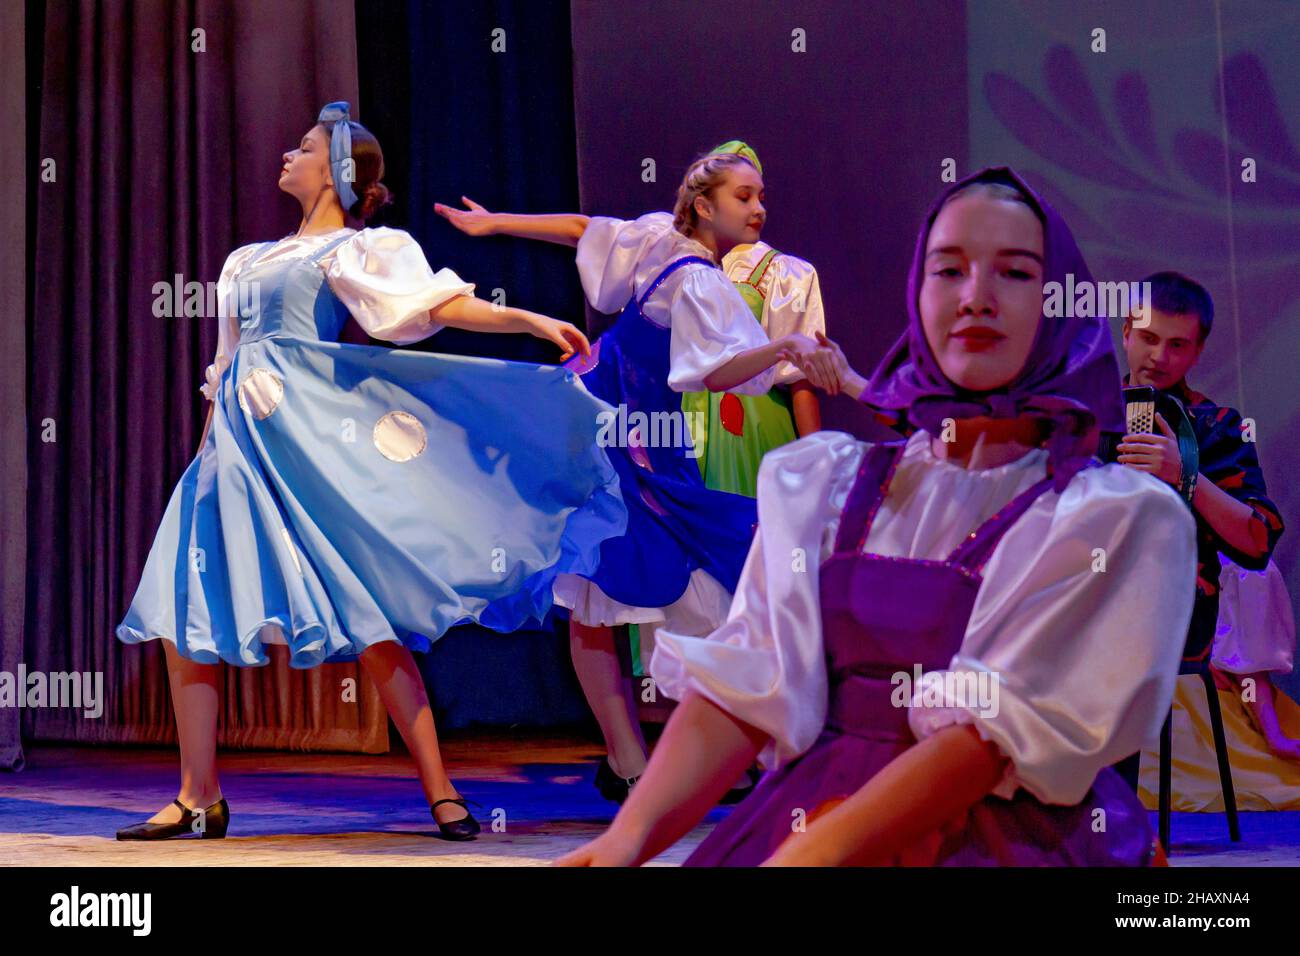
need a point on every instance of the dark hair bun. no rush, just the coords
(371, 199)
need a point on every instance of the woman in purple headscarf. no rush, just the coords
(940, 646)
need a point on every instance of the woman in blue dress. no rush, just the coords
(354, 502)
(683, 328)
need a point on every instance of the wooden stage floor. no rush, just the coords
(349, 810)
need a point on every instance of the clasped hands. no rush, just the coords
(822, 362)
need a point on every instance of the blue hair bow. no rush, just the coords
(340, 150)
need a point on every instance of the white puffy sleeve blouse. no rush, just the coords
(1086, 659)
(710, 323)
(380, 274)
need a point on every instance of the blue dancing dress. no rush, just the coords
(348, 494)
(681, 319)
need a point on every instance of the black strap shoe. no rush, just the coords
(466, 828)
(611, 785)
(211, 824)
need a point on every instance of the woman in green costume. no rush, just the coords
(734, 432)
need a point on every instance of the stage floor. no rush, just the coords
(349, 810)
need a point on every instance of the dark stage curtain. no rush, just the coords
(457, 117)
(164, 158)
(13, 372)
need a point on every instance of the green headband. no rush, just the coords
(740, 148)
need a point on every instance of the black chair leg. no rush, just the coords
(1166, 778)
(1221, 751)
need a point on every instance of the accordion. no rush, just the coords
(1141, 403)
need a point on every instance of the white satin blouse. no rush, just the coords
(792, 297)
(1081, 615)
(710, 323)
(379, 273)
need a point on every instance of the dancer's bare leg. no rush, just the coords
(649, 635)
(194, 699)
(1263, 711)
(611, 696)
(391, 666)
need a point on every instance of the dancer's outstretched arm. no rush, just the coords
(479, 315)
(563, 228)
(702, 751)
(567, 228)
(814, 360)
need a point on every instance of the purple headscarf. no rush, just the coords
(1070, 377)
